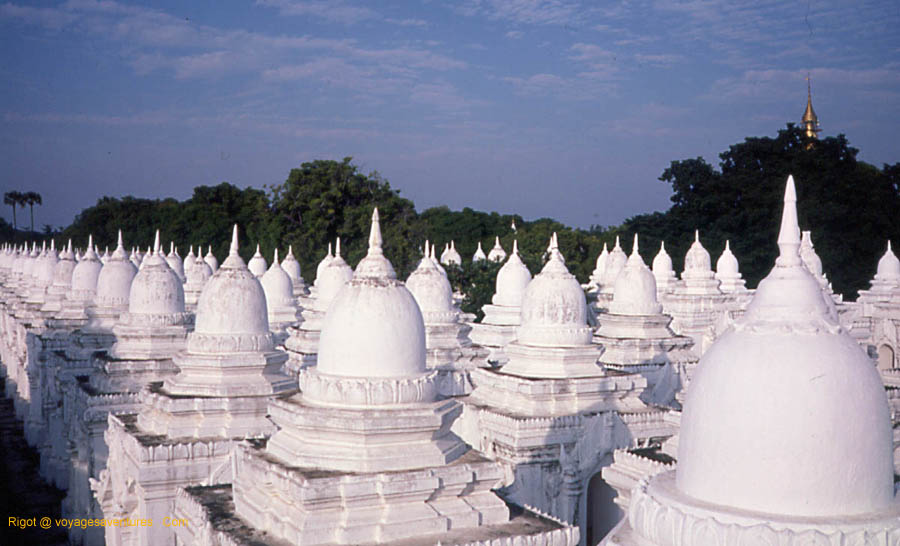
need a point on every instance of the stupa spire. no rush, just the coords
(337, 247)
(375, 240)
(515, 249)
(276, 257)
(234, 241)
(156, 243)
(789, 234)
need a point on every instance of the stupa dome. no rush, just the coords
(135, 258)
(114, 281)
(697, 263)
(43, 271)
(210, 259)
(479, 254)
(320, 268)
(277, 286)
(257, 264)
(888, 266)
(232, 302)
(451, 256)
(602, 259)
(727, 264)
(512, 280)
(662, 262)
(85, 274)
(190, 262)
(374, 327)
(291, 266)
(197, 273)
(432, 292)
(615, 263)
(635, 290)
(332, 278)
(156, 289)
(62, 273)
(554, 311)
(497, 254)
(785, 414)
(175, 261)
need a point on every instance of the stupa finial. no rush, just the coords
(375, 233)
(156, 243)
(53, 244)
(119, 243)
(290, 251)
(337, 247)
(789, 234)
(554, 244)
(696, 235)
(662, 246)
(617, 243)
(634, 248)
(172, 247)
(275, 260)
(69, 246)
(91, 241)
(234, 241)
(515, 249)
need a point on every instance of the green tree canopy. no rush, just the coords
(845, 203)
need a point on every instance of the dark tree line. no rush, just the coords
(849, 206)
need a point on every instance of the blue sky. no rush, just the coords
(549, 108)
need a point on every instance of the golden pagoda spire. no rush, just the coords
(810, 121)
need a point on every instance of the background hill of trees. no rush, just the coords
(850, 207)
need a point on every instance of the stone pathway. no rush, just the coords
(23, 493)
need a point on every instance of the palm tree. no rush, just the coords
(31, 198)
(13, 198)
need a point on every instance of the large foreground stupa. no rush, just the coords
(786, 434)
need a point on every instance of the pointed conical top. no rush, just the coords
(43, 246)
(156, 243)
(257, 250)
(727, 245)
(433, 258)
(496, 240)
(426, 249)
(375, 233)
(554, 245)
(329, 255)
(234, 241)
(453, 245)
(696, 235)
(337, 247)
(662, 246)
(91, 241)
(290, 253)
(276, 257)
(53, 244)
(479, 246)
(789, 234)
(634, 247)
(515, 249)
(171, 247)
(617, 243)
(119, 243)
(889, 245)
(69, 246)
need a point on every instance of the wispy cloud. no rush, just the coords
(532, 12)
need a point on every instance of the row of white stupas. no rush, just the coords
(367, 410)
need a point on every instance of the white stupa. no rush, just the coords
(450, 256)
(196, 271)
(175, 261)
(257, 264)
(503, 315)
(156, 324)
(783, 465)
(82, 291)
(811, 259)
(280, 301)
(663, 272)
(636, 338)
(479, 254)
(62, 281)
(210, 259)
(292, 267)
(113, 290)
(497, 254)
(302, 343)
(727, 272)
(599, 272)
(448, 346)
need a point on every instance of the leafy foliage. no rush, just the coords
(845, 203)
